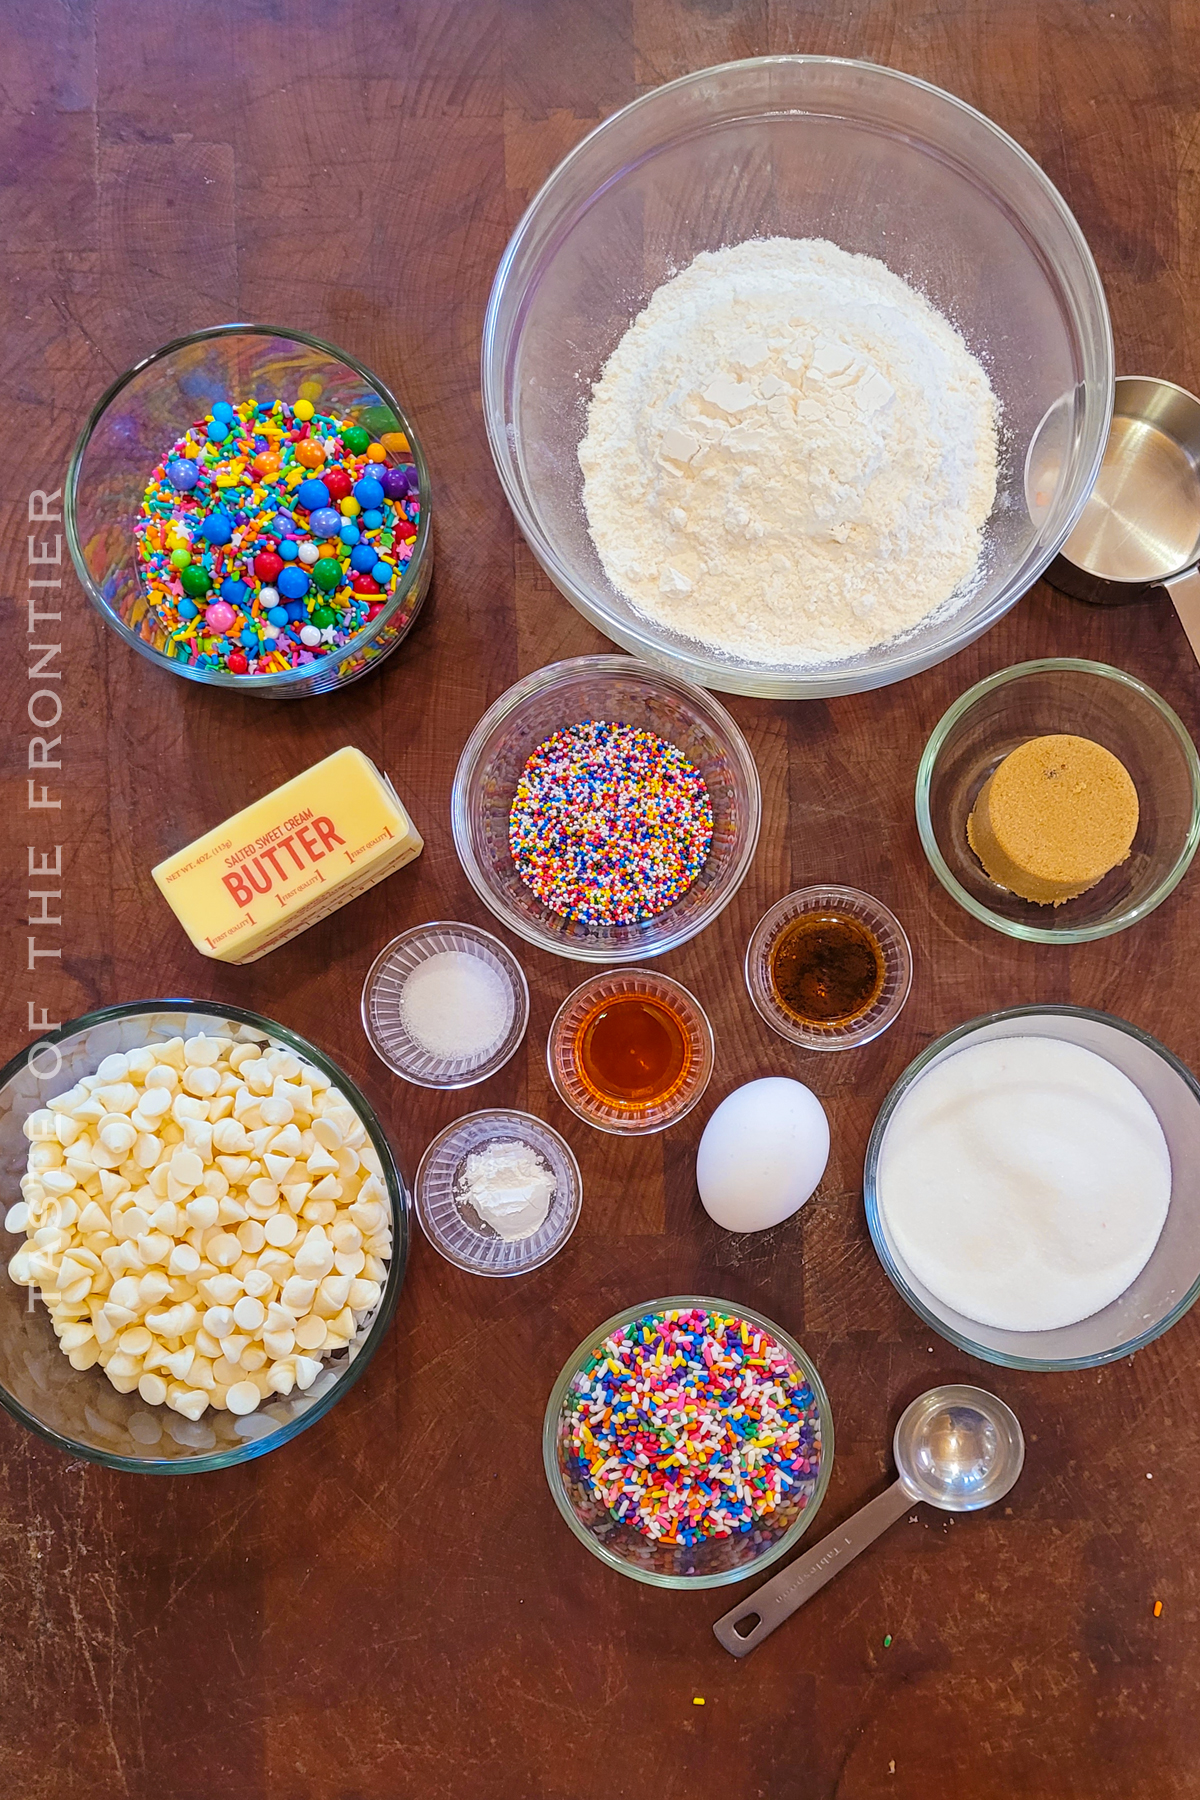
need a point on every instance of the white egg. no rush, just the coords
(762, 1154)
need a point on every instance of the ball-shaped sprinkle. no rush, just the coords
(310, 453)
(293, 583)
(188, 609)
(288, 549)
(267, 565)
(395, 483)
(382, 573)
(296, 610)
(338, 482)
(349, 533)
(369, 493)
(237, 662)
(312, 494)
(325, 520)
(266, 463)
(219, 616)
(222, 410)
(376, 453)
(195, 579)
(218, 528)
(304, 409)
(327, 573)
(309, 636)
(249, 640)
(183, 473)
(412, 478)
(363, 556)
(356, 439)
(281, 526)
(349, 508)
(278, 615)
(180, 559)
(267, 596)
(323, 617)
(309, 553)
(218, 431)
(363, 583)
(372, 520)
(234, 591)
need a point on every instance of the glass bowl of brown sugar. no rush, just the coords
(829, 968)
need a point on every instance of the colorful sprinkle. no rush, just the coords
(690, 1425)
(231, 511)
(609, 825)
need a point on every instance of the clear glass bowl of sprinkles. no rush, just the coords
(631, 1052)
(845, 931)
(619, 689)
(338, 620)
(760, 1534)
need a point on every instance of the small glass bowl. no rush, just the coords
(453, 1226)
(1170, 1282)
(564, 694)
(622, 1547)
(383, 1018)
(573, 1091)
(152, 404)
(1086, 699)
(79, 1410)
(884, 927)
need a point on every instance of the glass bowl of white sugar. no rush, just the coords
(865, 397)
(445, 1005)
(136, 1422)
(1032, 1187)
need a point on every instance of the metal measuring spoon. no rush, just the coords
(959, 1448)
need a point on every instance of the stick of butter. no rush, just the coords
(289, 859)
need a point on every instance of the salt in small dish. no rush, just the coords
(383, 1012)
(451, 1223)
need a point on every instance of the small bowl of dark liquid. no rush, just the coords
(829, 968)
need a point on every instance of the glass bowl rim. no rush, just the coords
(281, 679)
(1016, 928)
(717, 719)
(398, 1195)
(575, 1207)
(761, 680)
(704, 1030)
(904, 1081)
(520, 985)
(684, 1302)
(800, 1036)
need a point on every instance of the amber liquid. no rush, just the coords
(827, 969)
(632, 1051)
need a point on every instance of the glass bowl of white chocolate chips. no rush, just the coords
(208, 1236)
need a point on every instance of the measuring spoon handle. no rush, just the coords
(777, 1599)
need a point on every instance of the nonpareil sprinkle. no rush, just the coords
(609, 825)
(691, 1425)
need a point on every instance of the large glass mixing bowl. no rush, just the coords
(802, 146)
(79, 1410)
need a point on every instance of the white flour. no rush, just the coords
(790, 456)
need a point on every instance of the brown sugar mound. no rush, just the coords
(1053, 819)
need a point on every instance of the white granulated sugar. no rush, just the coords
(790, 456)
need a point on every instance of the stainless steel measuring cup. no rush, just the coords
(1140, 530)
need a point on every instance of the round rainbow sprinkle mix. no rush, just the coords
(609, 825)
(692, 1425)
(270, 534)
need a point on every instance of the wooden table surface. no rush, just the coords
(390, 1607)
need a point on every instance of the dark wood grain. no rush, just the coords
(390, 1608)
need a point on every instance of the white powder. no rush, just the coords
(456, 1006)
(1025, 1182)
(790, 456)
(510, 1188)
